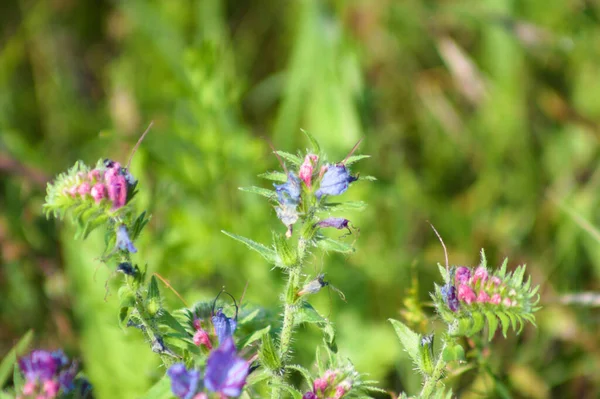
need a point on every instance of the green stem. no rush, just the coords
(432, 380)
(287, 329)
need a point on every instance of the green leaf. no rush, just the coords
(274, 176)
(367, 178)
(329, 244)
(6, 366)
(344, 206)
(443, 272)
(356, 158)
(453, 352)
(492, 324)
(258, 376)
(286, 255)
(153, 292)
(255, 336)
(478, 323)
(270, 194)
(165, 318)
(268, 354)
(504, 321)
(409, 339)
(265, 252)
(160, 390)
(517, 277)
(291, 158)
(304, 372)
(18, 378)
(315, 144)
(307, 314)
(502, 272)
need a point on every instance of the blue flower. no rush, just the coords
(123, 241)
(184, 383)
(224, 326)
(450, 297)
(226, 372)
(335, 181)
(288, 193)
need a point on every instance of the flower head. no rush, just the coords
(226, 372)
(224, 326)
(184, 383)
(123, 241)
(335, 181)
(47, 373)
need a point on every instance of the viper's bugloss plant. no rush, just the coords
(218, 348)
(470, 300)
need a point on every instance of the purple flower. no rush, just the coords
(450, 298)
(123, 241)
(337, 223)
(184, 383)
(463, 274)
(224, 326)
(288, 193)
(226, 372)
(309, 395)
(335, 181)
(39, 365)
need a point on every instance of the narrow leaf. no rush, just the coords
(356, 158)
(329, 244)
(274, 176)
(492, 324)
(160, 390)
(409, 340)
(315, 144)
(265, 252)
(291, 158)
(270, 194)
(6, 367)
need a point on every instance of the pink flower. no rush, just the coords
(496, 299)
(201, 395)
(463, 274)
(342, 389)
(320, 384)
(507, 302)
(306, 169)
(495, 280)
(201, 337)
(29, 388)
(51, 388)
(72, 191)
(480, 274)
(117, 189)
(483, 297)
(98, 192)
(466, 294)
(83, 189)
(95, 175)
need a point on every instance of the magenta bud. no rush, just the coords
(83, 189)
(310, 395)
(320, 384)
(463, 274)
(507, 302)
(98, 192)
(95, 175)
(496, 299)
(466, 294)
(117, 190)
(483, 297)
(480, 274)
(306, 169)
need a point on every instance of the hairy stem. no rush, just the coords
(287, 329)
(432, 380)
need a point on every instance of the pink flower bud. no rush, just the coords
(117, 190)
(342, 389)
(51, 388)
(507, 302)
(320, 385)
(72, 191)
(306, 169)
(496, 280)
(95, 175)
(483, 297)
(98, 192)
(466, 294)
(201, 337)
(29, 388)
(480, 274)
(496, 299)
(83, 189)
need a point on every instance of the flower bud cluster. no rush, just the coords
(108, 183)
(47, 374)
(333, 384)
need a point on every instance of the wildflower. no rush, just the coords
(184, 383)
(482, 297)
(224, 326)
(123, 241)
(463, 274)
(496, 299)
(288, 193)
(337, 223)
(226, 372)
(117, 190)
(47, 373)
(201, 336)
(449, 296)
(306, 169)
(98, 192)
(466, 294)
(480, 274)
(335, 181)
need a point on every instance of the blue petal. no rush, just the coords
(335, 181)
(289, 192)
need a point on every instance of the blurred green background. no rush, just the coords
(482, 116)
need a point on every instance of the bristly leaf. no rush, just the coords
(6, 367)
(268, 354)
(492, 324)
(265, 252)
(356, 158)
(270, 194)
(410, 341)
(274, 176)
(307, 314)
(329, 244)
(315, 144)
(343, 206)
(291, 158)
